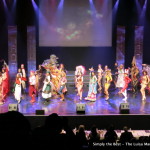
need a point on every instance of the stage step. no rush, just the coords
(71, 78)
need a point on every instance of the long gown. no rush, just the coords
(46, 91)
(120, 81)
(1, 96)
(5, 83)
(17, 92)
(92, 88)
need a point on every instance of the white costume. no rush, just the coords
(46, 91)
(120, 81)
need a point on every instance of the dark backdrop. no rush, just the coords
(127, 15)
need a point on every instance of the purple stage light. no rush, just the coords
(61, 3)
(34, 5)
(143, 10)
(139, 8)
(91, 1)
(144, 7)
(116, 5)
(4, 2)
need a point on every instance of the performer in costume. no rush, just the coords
(108, 80)
(127, 80)
(17, 91)
(55, 75)
(5, 81)
(103, 76)
(47, 87)
(62, 85)
(120, 80)
(134, 78)
(78, 71)
(79, 80)
(51, 65)
(32, 90)
(37, 82)
(144, 82)
(1, 95)
(40, 73)
(115, 73)
(23, 79)
(92, 86)
(99, 81)
(62, 68)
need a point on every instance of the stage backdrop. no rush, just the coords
(75, 23)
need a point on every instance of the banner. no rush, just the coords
(120, 47)
(12, 52)
(138, 46)
(31, 48)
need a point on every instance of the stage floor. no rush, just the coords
(68, 107)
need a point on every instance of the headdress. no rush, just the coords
(82, 68)
(126, 71)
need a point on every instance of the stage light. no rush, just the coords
(61, 3)
(40, 112)
(13, 107)
(80, 108)
(124, 108)
(4, 2)
(34, 5)
(116, 5)
(143, 12)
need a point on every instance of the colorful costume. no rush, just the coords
(100, 71)
(62, 87)
(46, 91)
(127, 80)
(135, 78)
(23, 79)
(92, 88)
(5, 83)
(120, 81)
(115, 74)
(144, 82)
(32, 90)
(17, 91)
(1, 96)
(108, 79)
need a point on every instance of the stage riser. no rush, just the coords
(135, 122)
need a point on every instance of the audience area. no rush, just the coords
(15, 129)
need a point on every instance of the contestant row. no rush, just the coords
(53, 82)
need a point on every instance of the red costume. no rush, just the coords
(32, 90)
(5, 83)
(127, 80)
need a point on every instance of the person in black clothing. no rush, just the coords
(110, 135)
(50, 136)
(15, 130)
(94, 136)
(126, 136)
(115, 73)
(81, 137)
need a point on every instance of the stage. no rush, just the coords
(100, 112)
(68, 107)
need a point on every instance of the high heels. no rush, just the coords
(144, 98)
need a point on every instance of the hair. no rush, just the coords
(81, 128)
(145, 72)
(99, 65)
(125, 128)
(18, 76)
(3, 70)
(92, 72)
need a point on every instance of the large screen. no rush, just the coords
(75, 23)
